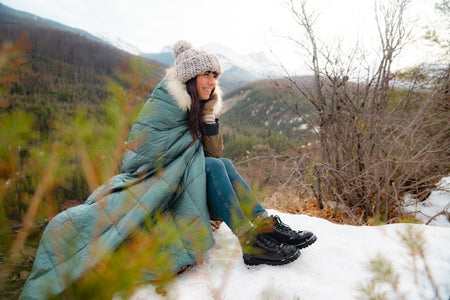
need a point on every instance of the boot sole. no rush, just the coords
(307, 243)
(253, 260)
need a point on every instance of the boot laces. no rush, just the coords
(280, 226)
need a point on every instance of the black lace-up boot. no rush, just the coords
(282, 233)
(261, 249)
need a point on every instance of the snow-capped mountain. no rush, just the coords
(118, 43)
(166, 49)
(238, 69)
(256, 63)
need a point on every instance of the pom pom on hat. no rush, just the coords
(180, 47)
(190, 61)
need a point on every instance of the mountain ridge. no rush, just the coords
(256, 63)
(63, 69)
(10, 16)
(238, 69)
(260, 111)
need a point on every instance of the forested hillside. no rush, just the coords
(257, 117)
(63, 68)
(49, 77)
(66, 104)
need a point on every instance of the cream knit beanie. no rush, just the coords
(190, 62)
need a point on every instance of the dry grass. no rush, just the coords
(277, 183)
(288, 201)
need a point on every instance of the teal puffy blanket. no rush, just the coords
(162, 172)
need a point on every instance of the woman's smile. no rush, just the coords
(206, 83)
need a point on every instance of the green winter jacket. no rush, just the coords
(162, 172)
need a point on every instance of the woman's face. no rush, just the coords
(206, 83)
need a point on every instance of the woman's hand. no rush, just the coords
(208, 111)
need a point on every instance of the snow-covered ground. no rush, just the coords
(430, 210)
(335, 267)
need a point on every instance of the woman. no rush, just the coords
(164, 190)
(264, 239)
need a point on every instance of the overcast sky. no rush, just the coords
(244, 25)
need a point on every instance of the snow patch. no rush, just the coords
(332, 268)
(118, 43)
(431, 210)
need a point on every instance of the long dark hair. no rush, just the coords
(195, 123)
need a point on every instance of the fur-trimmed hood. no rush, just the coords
(178, 91)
